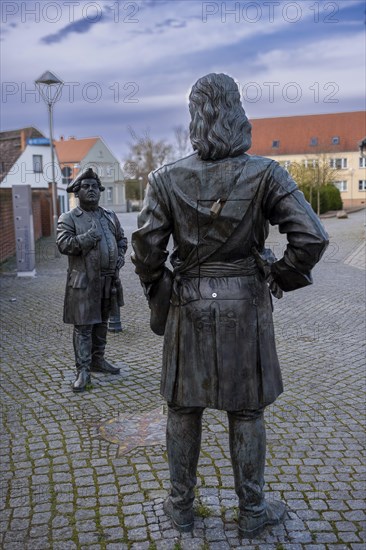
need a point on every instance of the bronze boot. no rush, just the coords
(82, 350)
(248, 452)
(183, 447)
(82, 380)
(99, 341)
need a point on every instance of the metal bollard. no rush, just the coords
(114, 321)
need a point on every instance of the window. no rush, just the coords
(342, 185)
(276, 143)
(310, 163)
(314, 141)
(37, 164)
(362, 162)
(339, 164)
(362, 185)
(335, 140)
(110, 194)
(66, 175)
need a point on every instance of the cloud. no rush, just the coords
(173, 23)
(154, 3)
(85, 24)
(164, 50)
(80, 26)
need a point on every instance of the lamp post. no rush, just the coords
(49, 87)
(352, 171)
(141, 191)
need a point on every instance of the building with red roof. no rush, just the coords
(306, 138)
(75, 155)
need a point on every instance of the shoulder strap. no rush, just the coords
(196, 256)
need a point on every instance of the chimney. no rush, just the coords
(22, 140)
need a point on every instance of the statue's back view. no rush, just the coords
(219, 347)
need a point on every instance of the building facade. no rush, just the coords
(75, 155)
(310, 139)
(25, 159)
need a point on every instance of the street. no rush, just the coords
(90, 470)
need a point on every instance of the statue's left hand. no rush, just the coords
(276, 291)
(264, 266)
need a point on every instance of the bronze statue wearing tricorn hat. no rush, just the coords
(94, 241)
(74, 185)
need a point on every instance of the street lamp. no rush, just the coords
(49, 87)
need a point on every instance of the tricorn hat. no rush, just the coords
(88, 174)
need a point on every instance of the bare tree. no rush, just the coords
(145, 155)
(182, 146)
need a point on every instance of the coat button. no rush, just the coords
(214, 295)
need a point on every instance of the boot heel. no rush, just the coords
(183, 520)
(250, 526)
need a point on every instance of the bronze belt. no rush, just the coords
(238, 268)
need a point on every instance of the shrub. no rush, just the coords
(333, 197)
(330, 197)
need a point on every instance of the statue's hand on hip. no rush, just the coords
(276, 291)
(264, 263)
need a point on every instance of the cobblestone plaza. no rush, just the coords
(90, 471)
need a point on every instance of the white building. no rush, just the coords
(34, 167)
(75, 155)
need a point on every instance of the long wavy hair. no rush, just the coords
(219, 127)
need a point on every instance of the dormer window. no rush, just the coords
(314, 141)
(276, 143)
(335, 140)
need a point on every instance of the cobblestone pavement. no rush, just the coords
(90, 471)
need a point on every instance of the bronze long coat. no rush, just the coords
(83, 294)
(219, 344)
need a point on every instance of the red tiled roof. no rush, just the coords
(294, 133)
(73, 150)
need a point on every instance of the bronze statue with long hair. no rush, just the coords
(219, 127)
(215, 306)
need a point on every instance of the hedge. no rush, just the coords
(330, 198)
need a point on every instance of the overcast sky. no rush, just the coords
(128, 66)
